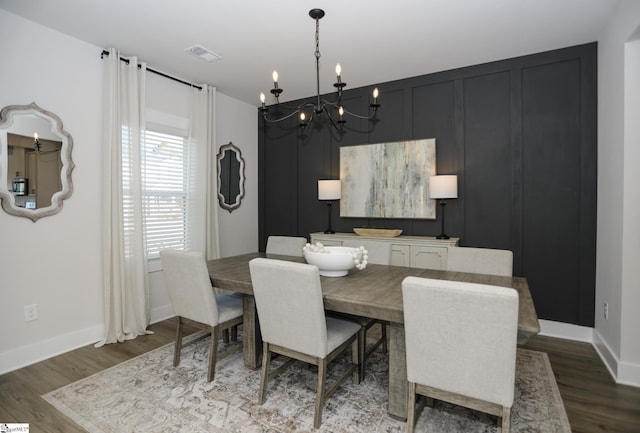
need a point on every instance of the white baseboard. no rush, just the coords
(629, 374)
(161, 313)
(26, 355)
(568, 331)
(607, 355)
(623, 373)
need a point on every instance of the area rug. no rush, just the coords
(148, 395)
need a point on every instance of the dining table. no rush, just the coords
(374, 292)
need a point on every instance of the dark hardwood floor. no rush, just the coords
(594, 402)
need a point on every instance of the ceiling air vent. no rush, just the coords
(202, 53)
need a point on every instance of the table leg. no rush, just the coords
(252, 339)
(398, 385)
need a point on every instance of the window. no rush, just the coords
(164, 185)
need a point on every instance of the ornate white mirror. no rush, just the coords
(35, 161)
(230, 177)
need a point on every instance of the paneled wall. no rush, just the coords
(519, 133)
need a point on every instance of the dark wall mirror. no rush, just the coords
(230, 177)
(35, 161)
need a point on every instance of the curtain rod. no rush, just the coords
(106, 53)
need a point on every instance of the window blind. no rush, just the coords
(165, 191)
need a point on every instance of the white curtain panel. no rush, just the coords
(126, 289)
(212, 228)
(202, 210)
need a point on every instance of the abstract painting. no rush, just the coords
(388, 180)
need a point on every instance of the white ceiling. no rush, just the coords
(374, 40)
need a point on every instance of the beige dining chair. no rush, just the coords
(194, 302)
(461, 343)
(290, 308)
(480, 261)
(380, 254)
(286, 245)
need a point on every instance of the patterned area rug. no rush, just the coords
(147, 394)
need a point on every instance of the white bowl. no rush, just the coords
(335, 262)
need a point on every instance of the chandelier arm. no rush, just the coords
(280, 119)
(333, 122)
(334, 104)
(295, 111)
(370, 116)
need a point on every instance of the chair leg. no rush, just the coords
(362, 351)
(320, 392)
(385, 349)
(213, 353)
(506, 420)
(411, 408)
(178, 344)
(266, 359)
(357, 359)
(225, 336)
(234, 333)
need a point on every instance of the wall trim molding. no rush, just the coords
(568, 331)
(607, 355)
(628, 374)
(30, 354)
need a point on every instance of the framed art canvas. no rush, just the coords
(388, 180)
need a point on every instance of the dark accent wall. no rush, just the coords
(519, 133)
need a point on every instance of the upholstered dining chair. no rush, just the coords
(480, 261)
(460, 345)
(286, 245)
(380, 254)
(290, 308)
(194, 302)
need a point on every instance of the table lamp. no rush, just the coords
(443, 187)
(329, 190)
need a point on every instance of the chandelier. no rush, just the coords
(334, 110)
(38, 147)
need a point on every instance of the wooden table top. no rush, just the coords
(376, 291)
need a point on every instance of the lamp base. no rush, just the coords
(442, 236)
(329, 232)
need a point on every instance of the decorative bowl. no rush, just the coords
(333, 262)
(380, 233)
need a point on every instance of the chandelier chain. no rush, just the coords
(317, 39)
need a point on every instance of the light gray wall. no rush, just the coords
(618, 254)
(56, 262)
(238, 122)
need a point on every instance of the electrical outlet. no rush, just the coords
(30, 312)
(606, 311)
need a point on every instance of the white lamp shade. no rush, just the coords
(328, 190)
(444, 186)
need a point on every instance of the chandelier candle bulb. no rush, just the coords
(275, 79)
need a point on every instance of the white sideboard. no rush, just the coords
(411, 251)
